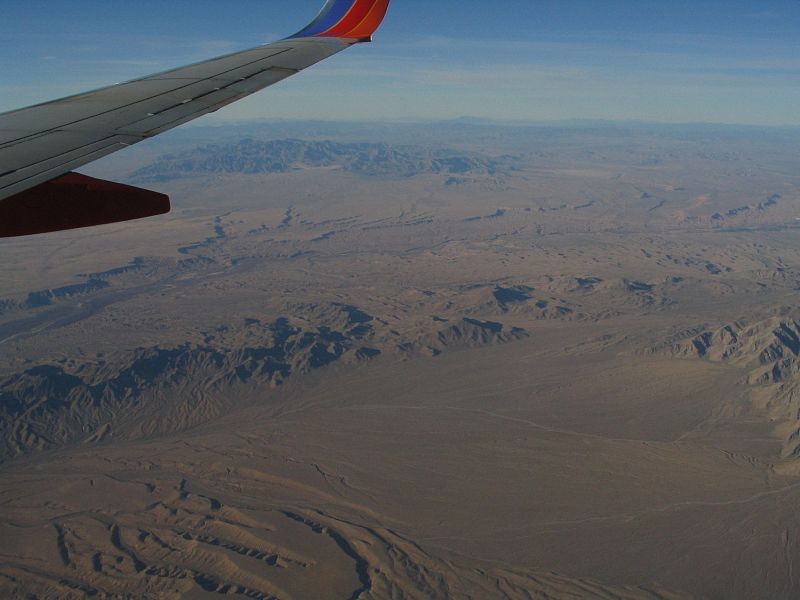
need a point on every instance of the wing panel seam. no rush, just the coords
(194, 81)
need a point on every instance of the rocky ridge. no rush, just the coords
(769, 352)
(160, 389)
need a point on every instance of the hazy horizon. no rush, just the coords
(733, 62)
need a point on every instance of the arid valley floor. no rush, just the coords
(446, 360)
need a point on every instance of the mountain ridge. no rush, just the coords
(251, 156)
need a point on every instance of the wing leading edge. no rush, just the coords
(41, 145)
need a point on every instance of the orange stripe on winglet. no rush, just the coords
(357, 13)
(371, 22)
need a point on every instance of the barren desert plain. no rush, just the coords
(413, 360)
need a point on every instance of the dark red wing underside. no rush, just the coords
(74, 200)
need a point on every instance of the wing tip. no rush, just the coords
(355, 20)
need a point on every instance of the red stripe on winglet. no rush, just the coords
(371, 22)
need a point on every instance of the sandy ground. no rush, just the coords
(568, 381)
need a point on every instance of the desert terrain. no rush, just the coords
(413, 360)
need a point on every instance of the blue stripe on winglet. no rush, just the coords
(333, 12)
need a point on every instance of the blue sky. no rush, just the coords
(538, 60)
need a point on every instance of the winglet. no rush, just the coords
(348, 19)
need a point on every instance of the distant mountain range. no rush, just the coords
(282, 156)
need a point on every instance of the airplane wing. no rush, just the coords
(41, 144)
